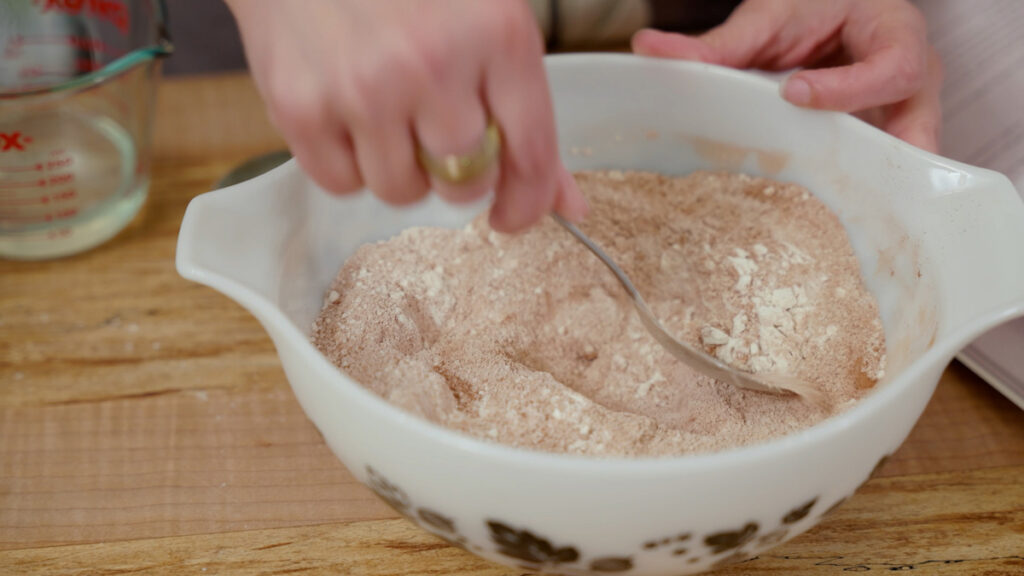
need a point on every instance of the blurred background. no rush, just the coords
(206, 38)
(979, 43)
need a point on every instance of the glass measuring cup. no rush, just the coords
(77, 88)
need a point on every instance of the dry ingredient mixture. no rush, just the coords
(528, 340)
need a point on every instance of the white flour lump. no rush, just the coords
(528, 340)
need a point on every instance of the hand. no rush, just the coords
(865, 56)
(356, 85)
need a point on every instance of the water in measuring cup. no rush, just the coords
(68, 182)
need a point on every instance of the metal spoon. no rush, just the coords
(253, 167)
(697, 359)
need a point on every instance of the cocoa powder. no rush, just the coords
(528, 340)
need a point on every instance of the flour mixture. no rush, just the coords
(529, 340)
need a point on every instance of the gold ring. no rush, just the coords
(459, 169)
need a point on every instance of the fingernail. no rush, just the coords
(797, 91)
(572, 205)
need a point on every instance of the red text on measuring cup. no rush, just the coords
(111, 10)
(12, 141)
(41, 191)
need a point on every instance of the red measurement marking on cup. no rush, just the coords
(55, 199)
(23, 184)
(30, 72)
(12, 169)
(79, 42)
(81, 65)
(64, 196)
(58, 233)
(25, 201)
(87, 64)
(13, 47)
(50, 217)
(62, 214)
(58, 163)
(113, 11)
(13, 141)
(66, 178)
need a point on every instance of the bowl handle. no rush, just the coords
(982, 263)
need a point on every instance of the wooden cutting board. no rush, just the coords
(146, 425)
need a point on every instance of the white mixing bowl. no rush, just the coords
(939, 244)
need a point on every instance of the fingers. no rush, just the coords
(517, 94)
(650, 42)
(378, 110)
(320, 144)
(360, 89)
(890, 75)
(452, 120)
(891, 52)
(738, 42)
(329, 159)
(387, 160)
(919, 118)
(570, 203)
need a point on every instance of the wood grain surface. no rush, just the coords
(146, 425)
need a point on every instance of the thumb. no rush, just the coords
(570, 203)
